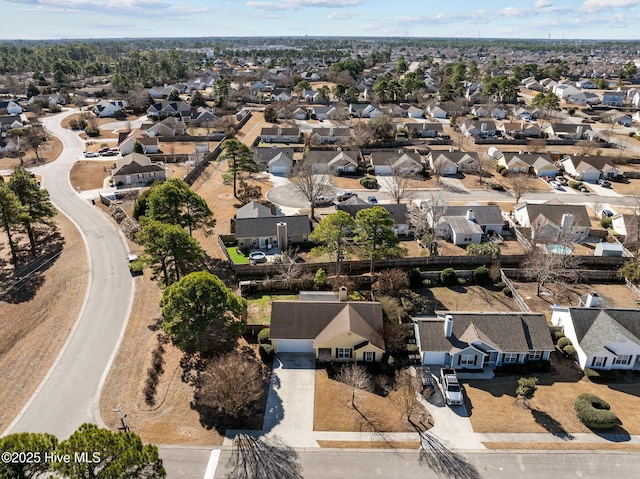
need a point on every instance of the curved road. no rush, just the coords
(69, 394)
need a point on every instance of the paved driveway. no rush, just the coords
(289, 413)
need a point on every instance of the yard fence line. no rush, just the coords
(516, 295)
(583, 275)
(632, 287)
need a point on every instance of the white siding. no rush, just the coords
(433, 358)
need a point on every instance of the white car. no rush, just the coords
(90, 154)
(345, 195)
(556, 185)
(323, 200)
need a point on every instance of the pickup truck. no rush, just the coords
(451, 387)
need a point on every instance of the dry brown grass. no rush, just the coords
(33, 332)
(561, 445)
(569, 295)
(90, 175)
(466, 298)
(369, 444)
(494, 407)
(50, 151)
(333, 410)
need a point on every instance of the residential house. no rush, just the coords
(364, 110)
(50, 99)
(522, 113)
(170, 126)
(10, 107)
(412, 111)
(451, 162)
(487, 217)
(438, 112)
(280, 164)
(300, 113)
(263, 155)
(136, 169)
(163, 109)
(253, 209)
(563, 91)
(604, 338)
(397, 212)
(310, 96)
(570, 131)
(613, 98)
(498, 113)
(550, 223)
(423, 130)
(276, 134)
(478, 128)
(10, 123)
(475, 341)
(589, 168)
(396, 162)
(627, 225)
(539, 163)
(266, 232)
(9, 144)
(108, 108)
(583, 98)
(281, 94)
(127, 141)
(480, 111)
(331, 135)
(586, 84)
(339, 161)
(332, 330)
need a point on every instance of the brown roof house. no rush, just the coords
(474, 341)
(136, 169)
(335, 330)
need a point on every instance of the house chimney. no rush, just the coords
(470, 215)
(448, 325)
(592, 300)
(282, 235)
(342, 293)
(579, 132)
(483, 127)
(451, 150)
(565, 224)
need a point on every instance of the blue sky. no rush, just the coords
(555, 19)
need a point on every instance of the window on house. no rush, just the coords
(598, 362)
(534, 355)
(467, 360)
(510, 357)
(369, 356)
(624, 359)
(343, 353)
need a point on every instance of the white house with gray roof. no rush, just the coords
(604, 338)
(473, 341)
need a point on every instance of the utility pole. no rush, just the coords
(123, 419)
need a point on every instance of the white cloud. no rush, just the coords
(591, 6)
(542, 4)
(340, 15)
(297, 4)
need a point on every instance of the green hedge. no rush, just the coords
(594, 412)
(448, 277)
(481, 275)
(263, 336)
(570, 352)
(557, 335)
(266, 352)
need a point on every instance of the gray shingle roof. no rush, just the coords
(554, 213)
(484, 215)
(253, 209)
(297, 225)
(398, 213)
(325, 320)
(597, 327)
(506, 332)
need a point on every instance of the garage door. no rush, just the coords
(278, 170)
(294, 346)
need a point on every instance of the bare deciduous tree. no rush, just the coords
(356, 378)
(398, 185)
(288, 269)
(521, 183)
(407, 387)
(551, 268)
(309, 184)
(424, 219)
(230, 383)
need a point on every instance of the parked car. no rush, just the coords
(323, 200)
(604, 183)
(103, 150)
(109, 153)
(90, 154)
(451, 387)
(345, 195)
(556, 185)
(373, 200)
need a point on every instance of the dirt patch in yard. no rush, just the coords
(616, 294)
(494, 408)
(49, 151)
(333, 410)
(34, 331)
(462, 298)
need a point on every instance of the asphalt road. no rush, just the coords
(69, 394)
(365, 464)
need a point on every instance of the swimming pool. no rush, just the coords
(559, 249)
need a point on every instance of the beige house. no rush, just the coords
(334, 330)
(137, 170)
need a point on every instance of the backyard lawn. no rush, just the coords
(236, 256)
(259, 306)
(462, 298)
